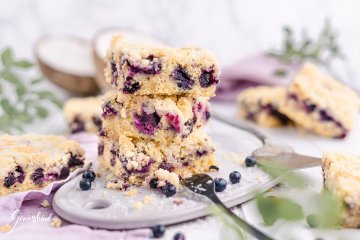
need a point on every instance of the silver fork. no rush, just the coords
(279, 155)
(203, 184)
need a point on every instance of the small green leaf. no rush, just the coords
(12, 78)
(7, 57)
(51, 97)
(7, 107)
(23, 64)
(289, 210)
(36, 80)
(280, 73)
(267, 209)
(41, 112)
(272, 208)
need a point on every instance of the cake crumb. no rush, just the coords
(148, 199)
(132, 192)
(56, 222)
(235, 157)
(138, 205)
(177, 201)
(5, 228)
(45, 204)
(98, 174)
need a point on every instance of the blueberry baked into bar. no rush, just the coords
(261, 105)
(83, 114)
(341, 175)
(321, 104)
(133, 160)
(144, 69)
(162, 118)
(32, 161)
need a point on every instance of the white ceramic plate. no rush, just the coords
(110, 209)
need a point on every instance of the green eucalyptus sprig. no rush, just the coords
(22, 101)
(321, 50)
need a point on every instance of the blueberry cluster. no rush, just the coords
(158, 231)
(87, 178)
(168, 190)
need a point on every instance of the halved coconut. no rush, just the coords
(68, 62)
(101, 43)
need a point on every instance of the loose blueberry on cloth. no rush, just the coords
(23, 212)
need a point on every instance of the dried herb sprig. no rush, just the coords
(321, 50)
(21, 101)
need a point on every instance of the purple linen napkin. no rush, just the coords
(31, 221)
(252, 71)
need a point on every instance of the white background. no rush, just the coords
(231, 28)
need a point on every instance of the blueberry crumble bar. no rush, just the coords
(33, 161)
(133, 160)
(163, 118)
(143, 69)
(84, 114)
(321, 104)
(261, 105)
(341, 175)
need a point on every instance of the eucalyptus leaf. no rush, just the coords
(7, 57)
(36, 81)
(23, 64)
(7, 107)
(12, 78)
(41, 112)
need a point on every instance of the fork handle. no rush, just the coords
(243, 224)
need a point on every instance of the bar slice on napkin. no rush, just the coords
(321, 104)
(341, 173)
(162, 118)
(261, 105)
(144, 69)
(31, 162)
(133, 160)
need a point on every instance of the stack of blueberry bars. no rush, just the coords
(152, 124)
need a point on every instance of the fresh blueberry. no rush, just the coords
(182, 78)
(220, 184)
(169, 190)
(312, 220)
(250, 161)
(179, 236)
(153, 183)
(235, 177)
(85, 184)
(88, 174)
(158, 231)
(37, 175)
